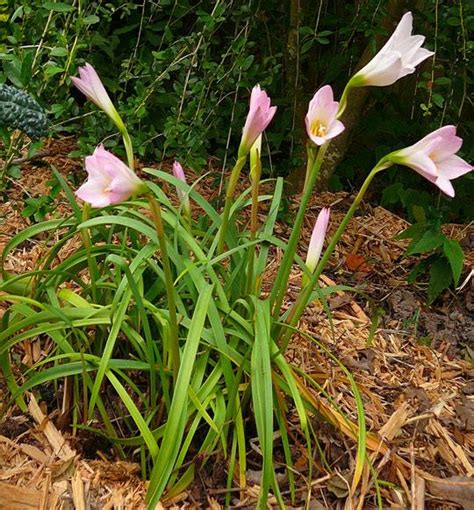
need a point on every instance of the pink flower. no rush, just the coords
(434, 158)
(259, 116)
(178, 172)
(109, 180)
(321, 122)
(398, 57)
(91, 86)
(317, 239)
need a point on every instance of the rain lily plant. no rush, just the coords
(92, 87)
(161, 324)
(321, 119)
(399, 56)
(259, 117)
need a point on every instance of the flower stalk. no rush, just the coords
(231, 186)
(169, 283)
(305, 295)
(255, 174)
(279, 287)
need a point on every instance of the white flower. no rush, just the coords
(399, 57)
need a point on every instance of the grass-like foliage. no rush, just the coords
(105, 309)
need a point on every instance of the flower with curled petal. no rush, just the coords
(399, 56)
(434, 157)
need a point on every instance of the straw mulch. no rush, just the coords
(418, 399)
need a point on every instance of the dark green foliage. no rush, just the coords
(20, 111)
(181, 71)
(444, 262)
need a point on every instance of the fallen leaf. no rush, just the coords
(356, 262)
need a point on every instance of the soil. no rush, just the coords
(414, 368)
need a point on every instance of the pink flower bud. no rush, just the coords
(91, 86)
(434, 158)
(178, 172)
(259, 116)
(321, 121)
(317, 239)
(399, 56)
(109, 180)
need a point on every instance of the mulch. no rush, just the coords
(414, 370)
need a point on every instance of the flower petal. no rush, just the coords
(317, 239)
(94, 195)
(453, 167)
(337, 127)
(445, 186)
(382, 73)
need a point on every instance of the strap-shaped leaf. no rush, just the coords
(20, 111)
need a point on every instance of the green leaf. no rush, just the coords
(177, 419)
(454, 21)
(440, 279)
(91, 19)
(430, 240)
(453, 252)
(438, 100)
(52, 70)
(444, 80)
(58, 7)
(58, 52)
(262, 398)
(413, 232)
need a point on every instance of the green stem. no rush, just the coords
(279, 287)
(234, 177)
(255, 173)
(91, 262)
(128, 146)
(169, 282)
(303, 299)
(343, 101)
(311, 154)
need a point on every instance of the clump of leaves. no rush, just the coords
(18, 110)
(444, 262)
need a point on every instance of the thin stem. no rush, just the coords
(128, 146)
(343, 101)
(169, 283)
(255, 173)
(234, 177)
(311, 154)
(91, 262)
(279, 287)
(302, 300)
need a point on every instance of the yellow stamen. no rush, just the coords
(318, 129)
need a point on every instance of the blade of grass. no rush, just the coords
(175, 426)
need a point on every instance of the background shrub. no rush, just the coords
(181, 72)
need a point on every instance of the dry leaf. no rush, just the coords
(356, 262)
